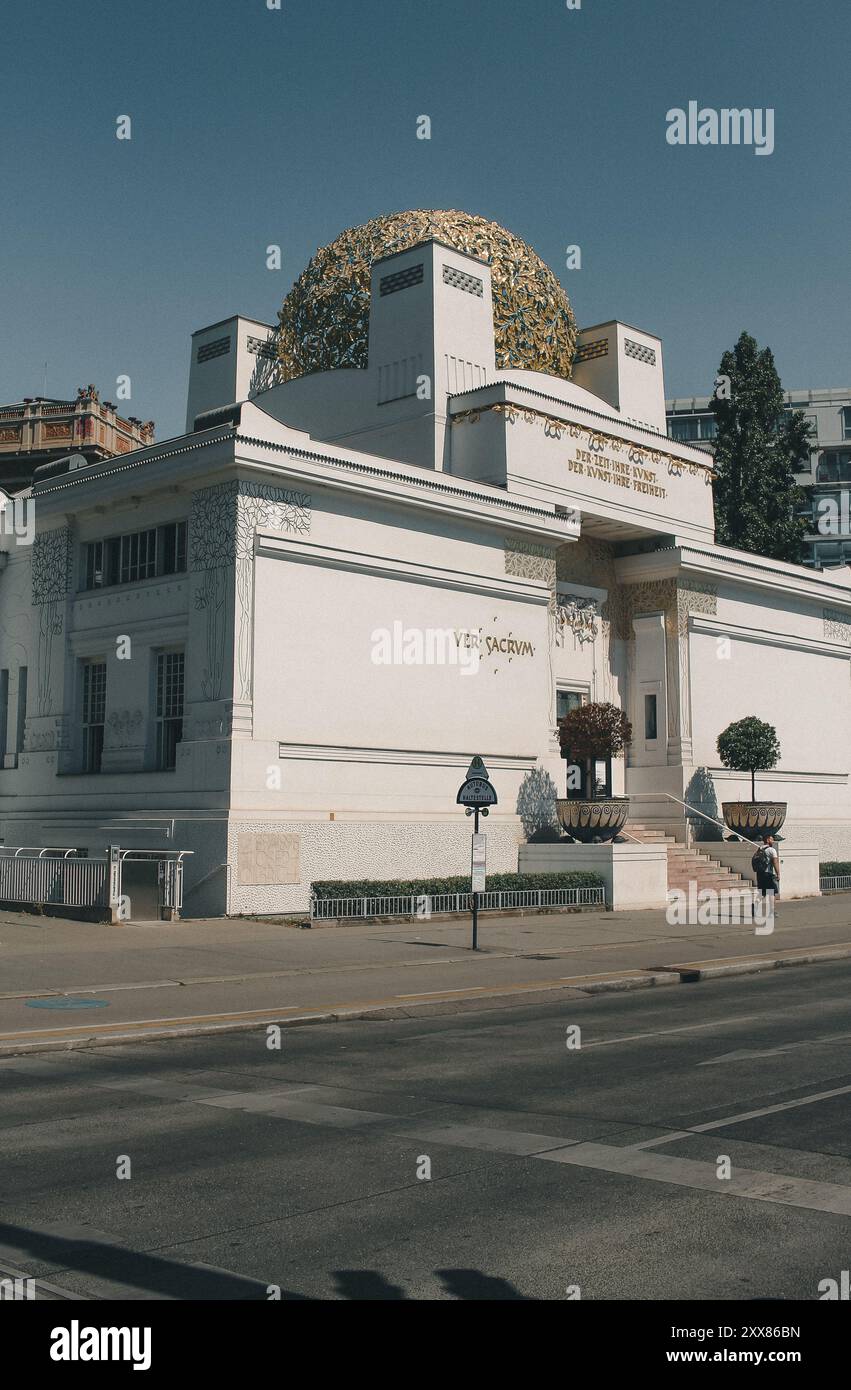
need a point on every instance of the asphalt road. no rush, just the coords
(550, 1167)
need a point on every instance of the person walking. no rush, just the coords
(766, 863)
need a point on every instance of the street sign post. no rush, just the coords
(478, 863)
(476, 795)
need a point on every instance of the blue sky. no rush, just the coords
(254, 127)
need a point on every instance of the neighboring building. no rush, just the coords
(690, 420)
(276, 641)
(39, 429)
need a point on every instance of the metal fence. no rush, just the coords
(75, 882)
(443, 904)
(838, 883)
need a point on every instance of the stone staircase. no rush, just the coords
(687, 866)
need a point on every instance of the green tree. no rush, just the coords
(593, 731)
(749, 745)
(758, 450)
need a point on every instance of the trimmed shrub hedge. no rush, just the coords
(430, 887)
(834, 868)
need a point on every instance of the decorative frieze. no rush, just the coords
(124, 727)
(52, 573)
(579, 616)
(837, 626)
(52, 565)
(224, 521)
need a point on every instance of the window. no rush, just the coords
(94, 712)
(169, 708)
(21, 726)
(650, 730)
(566, 700)
(687, 428)
(4, 712)
(94, 565)
(834, 468)
(173, 548)
(846, 422)
(139, 555)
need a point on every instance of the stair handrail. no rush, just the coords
(645, 796)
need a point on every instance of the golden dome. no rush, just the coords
(324, 321)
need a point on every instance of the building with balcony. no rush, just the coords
(827, 479)
(39, 429)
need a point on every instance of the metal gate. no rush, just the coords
(53, 876)
(124, 885)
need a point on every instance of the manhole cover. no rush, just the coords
(65, 1003)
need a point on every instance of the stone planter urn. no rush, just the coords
(588, 821)
(754, 819)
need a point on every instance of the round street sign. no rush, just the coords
(476, 791)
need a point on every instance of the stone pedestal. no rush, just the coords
(799, 864)
(636, 876)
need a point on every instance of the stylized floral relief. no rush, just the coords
(52, 569)
(579, 616)
(525, 560)
(212, 599)
(224, 522)
(124, 726)
(52, 735)
(837, 626)
(596, 441)
(52, 565)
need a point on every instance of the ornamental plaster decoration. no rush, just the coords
(525, 560)
(579, 616)
(592, 562)
(124, 725)
(676, 599)
(52, 735)
(593, 440)
(837, 626)
(225, 519)
(52, 565)
(324, 321)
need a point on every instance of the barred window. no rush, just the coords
(138, 556)
(94, 714)
(170, 677)
(159, 550)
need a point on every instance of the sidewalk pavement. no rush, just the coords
(166, 979)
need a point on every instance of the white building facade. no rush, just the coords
(276, 641)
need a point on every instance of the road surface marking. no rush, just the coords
(745, 1115)
(687, 1172)
(747, 1053)
(664, 1032)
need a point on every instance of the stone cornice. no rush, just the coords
(719, 563)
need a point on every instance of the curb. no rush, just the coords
(690, 972)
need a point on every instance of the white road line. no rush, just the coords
(745, 1115)
(427, 993)
(747, 1053)
(665, 1032)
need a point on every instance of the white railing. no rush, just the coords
(836, 883)
(63, 879)
(697, 814)
(443, 904)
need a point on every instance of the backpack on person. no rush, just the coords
(762, 863)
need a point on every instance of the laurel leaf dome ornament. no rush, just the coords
(324, 321)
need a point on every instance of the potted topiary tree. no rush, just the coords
(749, 745)
(589, 736)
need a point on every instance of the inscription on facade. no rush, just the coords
(267, 858)
(633, 476)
